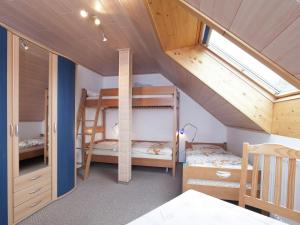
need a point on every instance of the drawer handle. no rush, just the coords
(35, 191)
(223, 174)
(35, 178)
(35, 204)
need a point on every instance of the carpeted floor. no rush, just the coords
(100, 200)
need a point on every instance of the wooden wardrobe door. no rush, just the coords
(3, 127)
(65, 126)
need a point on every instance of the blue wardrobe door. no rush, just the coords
(65, 126)
(3, 126)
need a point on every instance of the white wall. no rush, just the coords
(156, 124)
(235, 139)
(28, 130)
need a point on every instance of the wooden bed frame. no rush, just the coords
(211, 173)
(32, 152)
(138, 161)
(163, 97)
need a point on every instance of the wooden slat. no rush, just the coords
(275, 150)
(255, 176)
(288, 213)
(244, 170)
(136, 102)
(291, 184)
(266, 178)
(160, 90)
(278, 178)
(89, 130)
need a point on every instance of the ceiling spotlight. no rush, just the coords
(24, 45)
(97, 21)
(83, 13)
(104, 39)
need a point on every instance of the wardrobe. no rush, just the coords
(37, 124)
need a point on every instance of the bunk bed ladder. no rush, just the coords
(94, 130)
(81, 110)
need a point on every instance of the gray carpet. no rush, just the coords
(100, 200)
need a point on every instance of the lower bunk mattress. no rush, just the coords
(143, 149)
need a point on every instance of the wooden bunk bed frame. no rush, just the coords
(166, 97)
(211, 173)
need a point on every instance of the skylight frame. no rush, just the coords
(246, 71)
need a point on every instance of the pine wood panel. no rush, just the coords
(286, 119)
(223, 80)
(175, 26)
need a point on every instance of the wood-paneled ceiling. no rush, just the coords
(271, 27)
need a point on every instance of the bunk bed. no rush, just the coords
(162, 154)
(211, 169)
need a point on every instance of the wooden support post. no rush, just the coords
(125, 115)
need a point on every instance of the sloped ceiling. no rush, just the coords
(57, 25)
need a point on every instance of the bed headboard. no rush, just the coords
(188, 145)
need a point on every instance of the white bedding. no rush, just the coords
(195, 208)
(150, 150)
(212, 157)
(28, 143)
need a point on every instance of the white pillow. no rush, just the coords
(92, 94)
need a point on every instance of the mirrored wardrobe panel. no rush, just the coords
(33, 107)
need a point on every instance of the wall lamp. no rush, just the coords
(182, 130)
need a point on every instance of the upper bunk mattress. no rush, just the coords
(150, 150)
(203, 155)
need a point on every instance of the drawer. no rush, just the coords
(31, 206)
(31, 192)
(31, 179)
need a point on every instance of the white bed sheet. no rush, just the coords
(216, 160)
(139, 150)
(28, 143)
(195, 208)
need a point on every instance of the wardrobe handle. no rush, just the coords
(35, 178)
(54, 127)
(35, 191)
(35, 204)
(11, 130)
(17, 130)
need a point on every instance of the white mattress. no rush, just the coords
(215, 183)
(147, 150)
(216, 159)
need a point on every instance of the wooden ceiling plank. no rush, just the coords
(259, 22)
(285, 49)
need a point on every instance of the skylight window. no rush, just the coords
(247, 64)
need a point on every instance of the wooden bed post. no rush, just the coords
(175, 135)
(125, 115)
